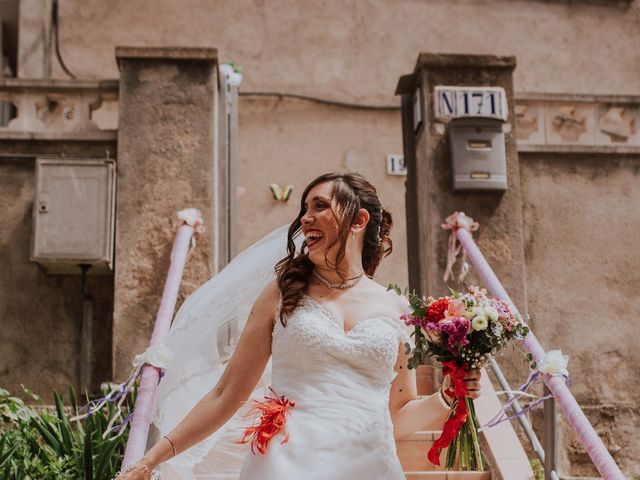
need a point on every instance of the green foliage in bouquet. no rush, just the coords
(36, 444)
(462, 331)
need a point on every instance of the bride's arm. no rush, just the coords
(409, 413)
(234, 387)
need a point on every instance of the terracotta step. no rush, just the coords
(412, 451)
(447, 475)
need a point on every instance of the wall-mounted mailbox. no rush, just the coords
(478, 154)
(73, 215)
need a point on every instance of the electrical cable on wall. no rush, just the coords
(54, 12)
(323, 101)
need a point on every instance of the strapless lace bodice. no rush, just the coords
(340, 381)
(313, 334)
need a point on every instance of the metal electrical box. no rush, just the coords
(74, 215)
(478, 154)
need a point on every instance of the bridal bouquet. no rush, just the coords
(461, 331)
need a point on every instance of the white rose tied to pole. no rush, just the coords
(554, 363)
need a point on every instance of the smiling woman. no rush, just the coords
(339, 390)
(347, 235)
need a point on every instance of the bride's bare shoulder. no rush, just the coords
(269, 298)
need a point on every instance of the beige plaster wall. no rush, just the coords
(581, 235)
(292, 142)
(356, 49)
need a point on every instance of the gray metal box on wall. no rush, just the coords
(478, 154)
(74, 215)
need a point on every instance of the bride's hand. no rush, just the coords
(139, 471)
(471, 380)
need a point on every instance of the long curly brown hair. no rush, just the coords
(351, 192)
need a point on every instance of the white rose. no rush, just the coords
(235, 78)
(474, 312)
(491, 313)
(226, 69)
(159, 356)
(554, 363)
(479, 322)
(464, 221)
(190, 216)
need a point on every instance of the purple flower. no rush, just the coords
(411, 321)
(456, 329)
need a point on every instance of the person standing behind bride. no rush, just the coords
(341, 389)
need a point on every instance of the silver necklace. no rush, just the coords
(344, 285)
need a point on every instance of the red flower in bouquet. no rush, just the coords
(436, 310)
(461, 331)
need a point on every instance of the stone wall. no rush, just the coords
(581, 229)
(166, 162)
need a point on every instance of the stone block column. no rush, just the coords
(430, 197)
(167, 147)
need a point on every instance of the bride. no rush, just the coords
(340, 390)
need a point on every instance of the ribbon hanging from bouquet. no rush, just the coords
(157, 356)
(454, 222)
(454, 422)
(554, 363)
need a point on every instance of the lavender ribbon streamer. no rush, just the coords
(124, 388)
(502, 416)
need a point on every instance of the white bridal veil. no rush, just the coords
(202, 338)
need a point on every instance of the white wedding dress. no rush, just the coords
(340, 426)
(340, 381)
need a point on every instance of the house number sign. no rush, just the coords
(456, 102)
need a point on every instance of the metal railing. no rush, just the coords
(562, 396)
(545, 452)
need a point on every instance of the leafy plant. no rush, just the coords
(538, 469)
(36, 443)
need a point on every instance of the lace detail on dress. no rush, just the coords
(312, 331)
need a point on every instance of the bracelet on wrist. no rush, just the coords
(173, 446)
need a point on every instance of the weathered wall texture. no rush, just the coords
(166, 146)
(353, 51)
(581, 231)
(356, 49)
(499, 214)
(40, 315)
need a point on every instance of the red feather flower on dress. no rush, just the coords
(273, 413)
